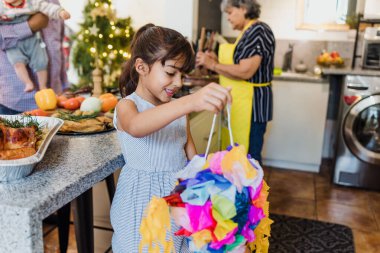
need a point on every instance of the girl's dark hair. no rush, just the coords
(252, 6)
(154, 43)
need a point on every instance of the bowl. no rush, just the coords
(15, 169)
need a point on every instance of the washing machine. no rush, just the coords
(357, 161)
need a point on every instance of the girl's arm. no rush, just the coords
(244, 70)
(11, 34)
(212, 97)
(190, 149)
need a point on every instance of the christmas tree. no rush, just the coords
(103, 41)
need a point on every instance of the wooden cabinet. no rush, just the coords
(294, 139)
(200, 126)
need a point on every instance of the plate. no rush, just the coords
(89, 133)
(14, 169)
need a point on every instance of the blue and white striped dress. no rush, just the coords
(151, 163)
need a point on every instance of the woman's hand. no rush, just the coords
(207, 60)
(38, 21)
(212, 97)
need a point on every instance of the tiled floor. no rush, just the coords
(311, 196)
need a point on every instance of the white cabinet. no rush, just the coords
(200, 126)
(294, 139)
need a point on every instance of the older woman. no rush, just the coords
(246, 66)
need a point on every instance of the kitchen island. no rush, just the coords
(71, 166)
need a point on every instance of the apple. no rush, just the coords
(334, 54)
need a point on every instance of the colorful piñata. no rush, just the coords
(220, 205)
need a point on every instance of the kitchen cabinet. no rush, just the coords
(200, 126)
(294, 139)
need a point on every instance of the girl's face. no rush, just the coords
(162, 81)
(236, 17)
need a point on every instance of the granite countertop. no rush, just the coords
(349, 71)
(71, 166)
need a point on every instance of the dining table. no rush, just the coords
(71, 166)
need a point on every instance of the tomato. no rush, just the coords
(36, 112)
(61, 100)
(71, 104)
(80, 99)
(108, 103)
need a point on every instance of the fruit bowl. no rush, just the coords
(327, 59)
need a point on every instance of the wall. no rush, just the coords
(179, 15)
(281, 16)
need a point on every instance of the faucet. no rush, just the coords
(287, 63)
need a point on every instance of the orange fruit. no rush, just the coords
(108, 102)
(106, 95)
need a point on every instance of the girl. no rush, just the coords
(153, 129)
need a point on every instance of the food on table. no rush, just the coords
(46, 99)
(80, 99)
(83, 121)
(37, 112)
(71, 104)
(91, 104)
(61, 100)
(19, 138)
(109, 102)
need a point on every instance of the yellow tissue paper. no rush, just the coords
(155, 231)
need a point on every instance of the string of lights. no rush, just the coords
(103, 41)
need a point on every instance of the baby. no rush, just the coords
(31, 50)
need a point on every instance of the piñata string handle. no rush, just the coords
(213, 127)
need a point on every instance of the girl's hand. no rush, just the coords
(212, 97)
(207, 60)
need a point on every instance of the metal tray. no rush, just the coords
(14, 169)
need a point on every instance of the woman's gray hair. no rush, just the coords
(252, 7)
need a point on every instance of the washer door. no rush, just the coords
(361, 129)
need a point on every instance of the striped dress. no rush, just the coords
(259, 40)
(151, 163)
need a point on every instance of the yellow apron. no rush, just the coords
(242, 94)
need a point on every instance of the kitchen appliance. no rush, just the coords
(357, 160)
(371, 48)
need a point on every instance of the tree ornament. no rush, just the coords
(94, 30)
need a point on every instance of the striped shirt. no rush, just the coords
(12, 93)
(259, 40)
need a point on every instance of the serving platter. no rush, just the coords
(15, 169)
(87, 133)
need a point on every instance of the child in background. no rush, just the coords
(31, 50)
(153, 128)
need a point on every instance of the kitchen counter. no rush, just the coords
(349, 71)
(71, 166)
(299, 77)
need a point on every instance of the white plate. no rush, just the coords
(14, 169)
